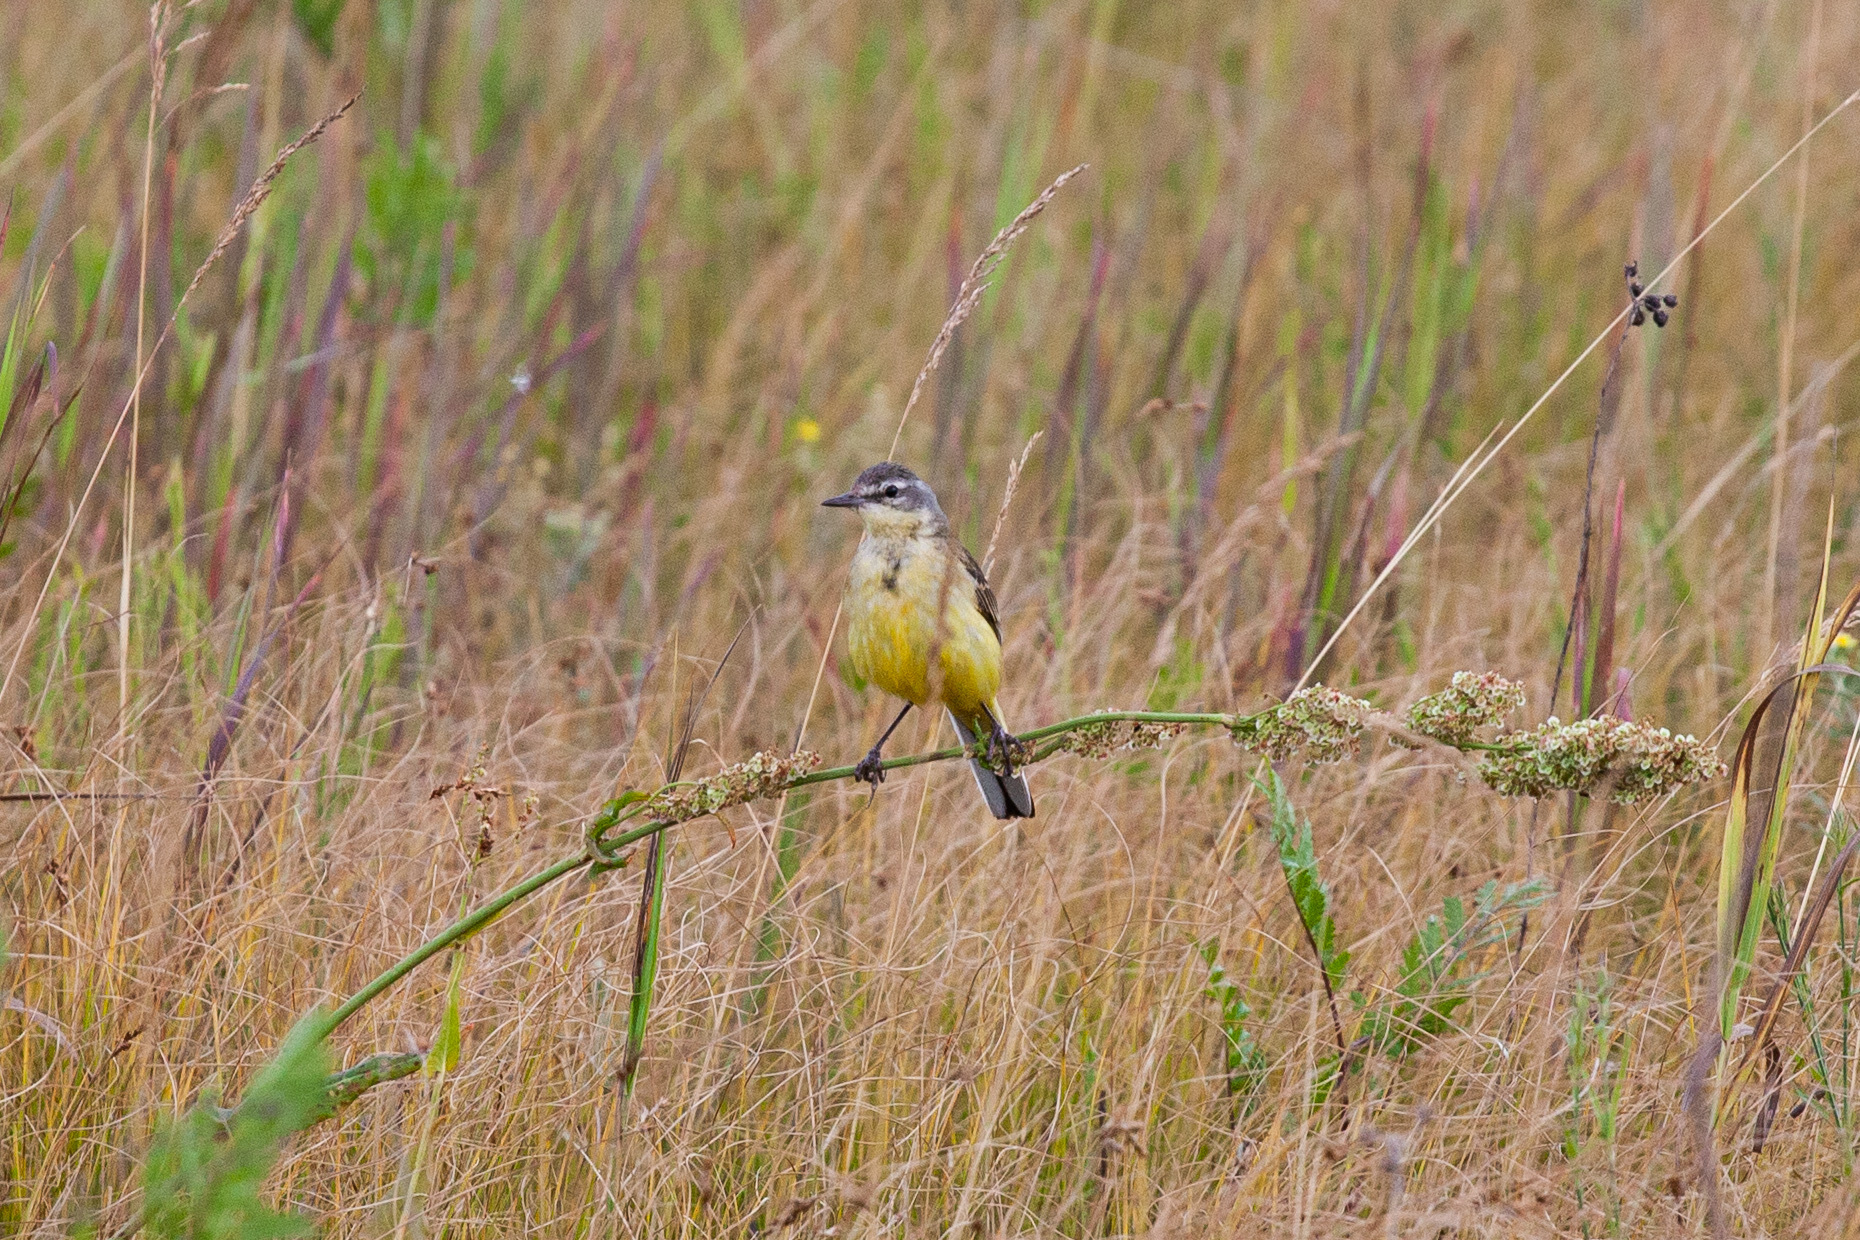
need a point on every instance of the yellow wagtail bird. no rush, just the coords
(909, 571)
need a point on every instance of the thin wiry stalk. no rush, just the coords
(652, 891)
(604, 851)
(1475, 465)
(158, 69)
(79, 102)
(1779, 450)
(1609, 399)
(471, 923)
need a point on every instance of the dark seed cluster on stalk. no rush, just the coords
(1100, 740)
(1658, 305)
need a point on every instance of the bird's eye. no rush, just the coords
(891, 492)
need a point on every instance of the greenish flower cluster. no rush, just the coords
(764, 774)
(1643, 761)
(1099, 740)
(1472, 701)
(1324, 724)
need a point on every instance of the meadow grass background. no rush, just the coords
(514, 403)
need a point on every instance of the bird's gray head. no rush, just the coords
(889, 493)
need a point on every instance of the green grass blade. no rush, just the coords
(645, 962)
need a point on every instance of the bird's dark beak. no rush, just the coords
(848, 500)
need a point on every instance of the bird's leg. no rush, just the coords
(871, 768)
(1004, 748)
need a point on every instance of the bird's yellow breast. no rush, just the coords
(892, 599)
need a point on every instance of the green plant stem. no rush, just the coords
(457, 932)
(344, 1087)
(1038, 734)
(476, 920)
(600, 848)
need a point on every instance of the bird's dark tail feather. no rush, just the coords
(1007, 795)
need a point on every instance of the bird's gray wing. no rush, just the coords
(984, 597)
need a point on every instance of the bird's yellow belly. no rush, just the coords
(892, 598)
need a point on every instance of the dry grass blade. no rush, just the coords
(20, 465)
(1779, 488)
(1752, 888)
(1696, 1104)
(1827, 831)
(1733, 467)
(1737, 866)
(79, 102)
(221, 745)
(1747, 861)
(1601, 693)
(1747, 866)
(1007, 498)
(27, 394)
(158, 72)
(970, 294)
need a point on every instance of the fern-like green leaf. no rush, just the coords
(1310, 893)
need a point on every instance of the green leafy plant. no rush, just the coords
(317, 20)
(1592, 1047)
(412, 196)
(1595, 1050)
(1242, 1060)
(205, 1169)
(1310, 894)
(1435, 981)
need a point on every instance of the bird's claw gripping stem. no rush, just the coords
(871, 768)
(1006, 751)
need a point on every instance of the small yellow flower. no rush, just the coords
(807, 430)
(1845, 641)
